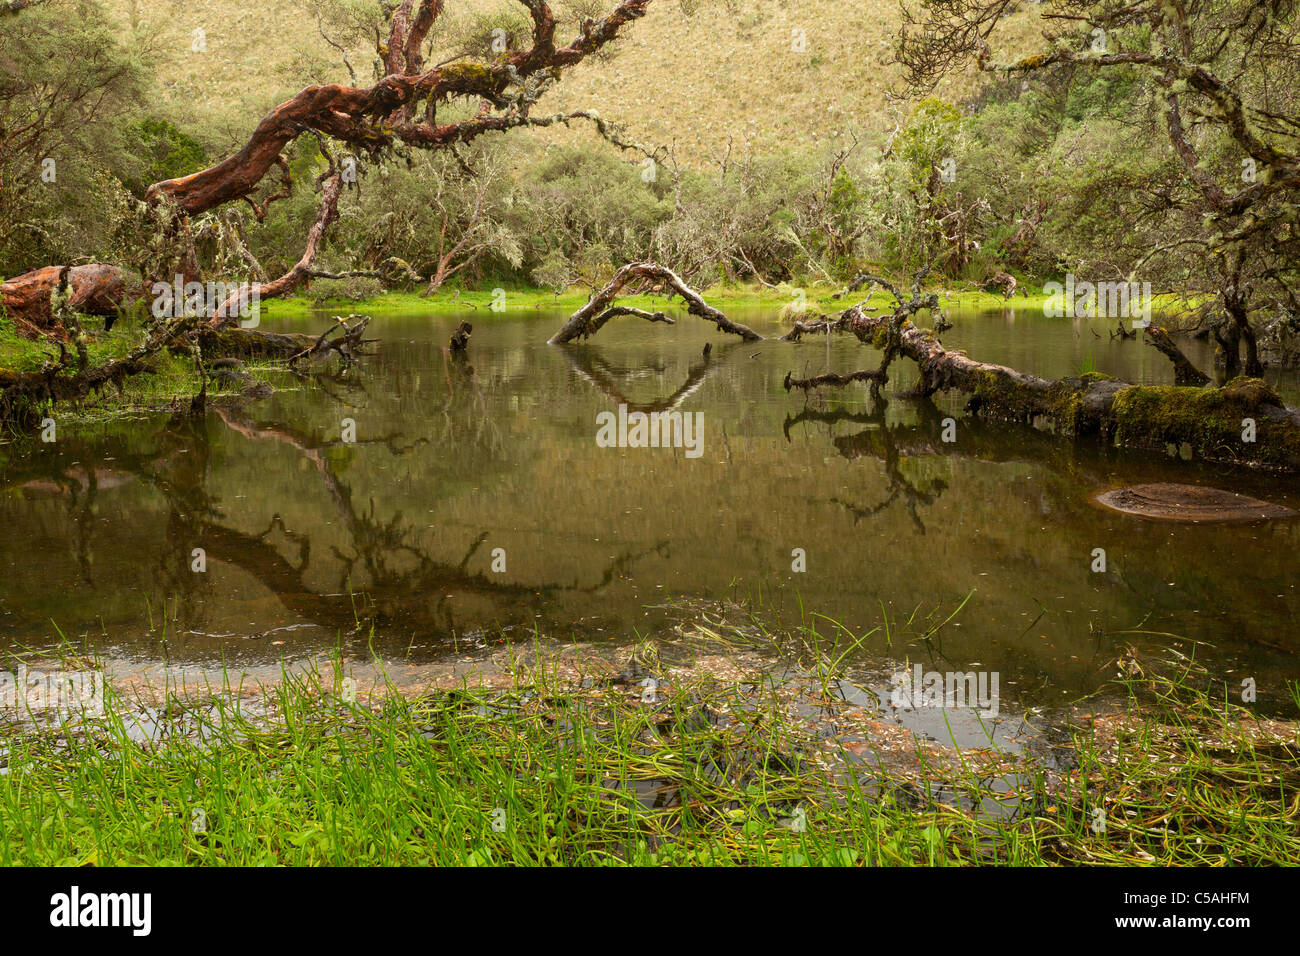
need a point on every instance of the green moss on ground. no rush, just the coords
(170, 376)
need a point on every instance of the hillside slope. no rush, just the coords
(763, 75)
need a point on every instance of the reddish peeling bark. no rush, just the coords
(367, 120)
(97, 289)
(331, 187)
(371, 118)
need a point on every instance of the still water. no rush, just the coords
(388, 542)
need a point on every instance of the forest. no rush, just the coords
(656, 432)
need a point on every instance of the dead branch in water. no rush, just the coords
(589, 319)
(818, 326)
(23, 393)
(1243, 422)
(874, 376)
(341, 339)
(884, 335)
(460, 337)
(1185, 373)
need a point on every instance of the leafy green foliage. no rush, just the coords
(69, 88)
(169, 152)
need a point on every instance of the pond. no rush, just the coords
(475, 505)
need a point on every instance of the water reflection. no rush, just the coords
(309, 537)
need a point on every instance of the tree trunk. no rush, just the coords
(1185, 373)
(437, 279)
(1235, 303)
(97, 289)
(1211, 421)
(1228, 338)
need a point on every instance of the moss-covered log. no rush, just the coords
(23, 394)
(1244, 422)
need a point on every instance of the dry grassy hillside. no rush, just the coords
(700, 72)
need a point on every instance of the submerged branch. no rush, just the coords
(1185, 373)
(874, 376)
(589, 319)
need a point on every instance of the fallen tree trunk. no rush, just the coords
(1243, 422)
(341, 339)
(588, 320)
(97, 289)
(23, 393)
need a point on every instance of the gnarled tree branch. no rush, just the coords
(588, 320)
(1209, 420)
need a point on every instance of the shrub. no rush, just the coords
(351, 289)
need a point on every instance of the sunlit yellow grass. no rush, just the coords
(728, 72)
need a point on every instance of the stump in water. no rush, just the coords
(460, 338)
(1170, 502)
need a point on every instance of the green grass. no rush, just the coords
(19, 354)
(1187, 776)
(170, 377)
(546, 773)
(524, 300)
(516, 301)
